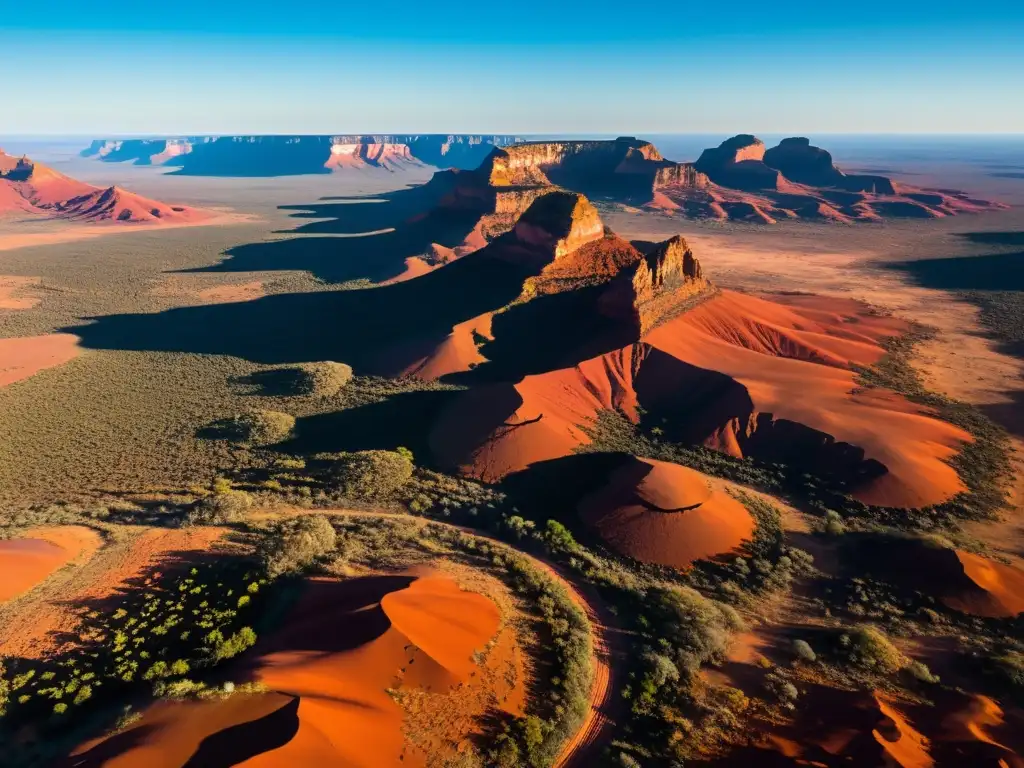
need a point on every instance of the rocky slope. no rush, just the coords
(740, 180)
(289, 155)
(30, 187)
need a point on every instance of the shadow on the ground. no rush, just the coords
(358, 238)
(378, 330)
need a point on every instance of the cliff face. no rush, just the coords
(660, 285)
(803, 163)
(557, 224)
(738, 163)
(291, 155)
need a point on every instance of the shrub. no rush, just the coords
(920, 671)
(834, 523)
(868, 647)
(234, 645)
(627, 761)
(324, 379)
(558, 538)
(698, 628)
(222, 506)
(261, 427)
(803, 650)
(372, 475)
(296, 544)
(1010, 666)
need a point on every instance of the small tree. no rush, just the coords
(372, 475)
(297, 544)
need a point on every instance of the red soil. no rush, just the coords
(791, 363)
(760, 375)
(26, 561)
(14, 293)
(456, 353)
(329, 669)
(1002, 585)
(224, 294)
(26, 356)
(665, 514)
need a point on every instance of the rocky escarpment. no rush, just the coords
(657, 287)
(559, 223)
(738, 163)
(294, 155)
(626, 168)
(796, 180)
(799, 161)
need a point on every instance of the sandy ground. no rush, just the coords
(189, 289)
(55, 232)
(31, 558)
(35, 629)
(26, 356)
(17, 292)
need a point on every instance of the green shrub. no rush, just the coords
(697, 628)
(261, 427)
(803, 650)
(222, 506)
(1010, 666)
(920, 671)
(296, 544)
(868, 647)
(372, 475)
(324, 379)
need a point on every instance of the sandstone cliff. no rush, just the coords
(803, 163)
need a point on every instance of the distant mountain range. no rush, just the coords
(298, 155)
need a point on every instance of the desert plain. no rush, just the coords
(342, 471)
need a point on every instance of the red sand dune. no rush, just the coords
(25, 356)
(665, 514)
(960, 580)
(26, 561)
(741, 375)
(29, 187)
(328, 668)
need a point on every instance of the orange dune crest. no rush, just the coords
(329, 669)
(666, 514)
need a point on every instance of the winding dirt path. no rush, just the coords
(596, 730)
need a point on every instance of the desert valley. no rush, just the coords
(408, 449)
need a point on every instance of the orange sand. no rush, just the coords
(1003, 586)
(26, 356)
(27, 561)
(329, 669)
(662, 513)
(42, 627)
(13, 293)
(792, 367)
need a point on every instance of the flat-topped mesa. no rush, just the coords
(739, 163)
(558, 223)
(666, 281)
(287, 155)
(798, 160)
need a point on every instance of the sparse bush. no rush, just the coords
(324, 379)
(296, 544)
(1010, 666)
(834, 525)
(627, 761)
(697, 628)
(222, 506)
(803, 651)
(868, 647)
(261, 427)
(920, 671)
(372, 475)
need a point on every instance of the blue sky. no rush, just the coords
(895, 66)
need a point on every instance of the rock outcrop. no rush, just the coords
(738, 163)
(294, 155)
(658, 286)
(799, 161)
(31, 187)
(559, 223)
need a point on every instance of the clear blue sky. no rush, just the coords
(882, 66)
